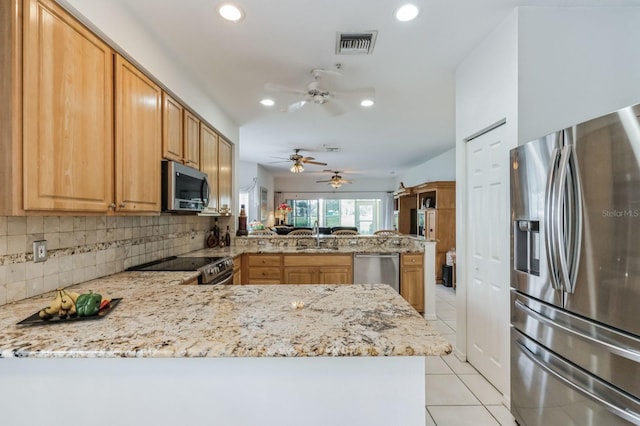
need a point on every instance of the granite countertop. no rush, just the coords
(329, 244)
(159, 317)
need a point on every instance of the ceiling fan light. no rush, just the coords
(367, 103)
(336, 185)
(231, 12)
(267, 102)
(297, 167)
(407, 13)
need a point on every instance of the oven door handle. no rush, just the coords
(227, 280)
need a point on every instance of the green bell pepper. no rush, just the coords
(88, 304)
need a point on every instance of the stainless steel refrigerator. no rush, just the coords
(575, 278)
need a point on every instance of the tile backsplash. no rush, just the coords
(81, 248)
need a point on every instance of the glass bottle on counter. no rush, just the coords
(242, 222)
(227, 237)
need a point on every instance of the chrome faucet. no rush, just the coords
(316, 230)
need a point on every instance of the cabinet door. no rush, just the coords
(138, 132)
(68, 119)
(431, 228)
(335, 276)
(209, 162)
(191, 140)
(300, 276)
(412, 287)
(171, 128)
(237, 270)
(224, 173)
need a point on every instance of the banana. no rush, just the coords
(53, 308)
(68, 303)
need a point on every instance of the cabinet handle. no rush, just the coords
(112, 205)
(122, 205)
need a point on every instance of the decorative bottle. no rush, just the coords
(227, 237)
(242, 222)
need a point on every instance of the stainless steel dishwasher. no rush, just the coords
(377, 268)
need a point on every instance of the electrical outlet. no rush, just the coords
(40, 251)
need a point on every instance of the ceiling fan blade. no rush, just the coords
(305, 159)
(333, 108)
(273, 87)
(322, 181)
(281, 161)
(363, 91)
(296, 106)
(317, 163)
(317, 71)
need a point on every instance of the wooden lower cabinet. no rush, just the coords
(412, 279)
(297, 269)
(237, 270)
(262, 269)
(318, 269)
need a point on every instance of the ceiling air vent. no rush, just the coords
(355, 43)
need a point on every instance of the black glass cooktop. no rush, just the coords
(176, 264)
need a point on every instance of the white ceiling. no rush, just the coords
(412, 69)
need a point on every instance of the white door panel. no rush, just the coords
(488, 254)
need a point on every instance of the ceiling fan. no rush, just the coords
(316, 94)
(298, 161)
(336, 180)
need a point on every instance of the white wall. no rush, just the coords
(486, 94)
(441, 167)
(540, 70)
(112, 19)
(266, 180)
(584, 64)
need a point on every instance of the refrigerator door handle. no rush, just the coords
(598, 391)
(550, 237)
(614, 347)
(568, 220)
(576, 243)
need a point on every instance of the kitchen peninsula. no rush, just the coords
(417, 261)
(241, 355)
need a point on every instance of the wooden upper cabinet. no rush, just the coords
(224, 173)
(209, 163)
(172, 140)
(191, 140)
(67, 104)
(138, 135)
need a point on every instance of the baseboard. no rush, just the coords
(462, 356)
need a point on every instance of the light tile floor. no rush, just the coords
(456, 394)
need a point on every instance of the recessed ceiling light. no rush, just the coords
(267, 102)
(366, 103)
(231, 12)
(406, 13)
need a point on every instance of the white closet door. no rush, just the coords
(488, 265)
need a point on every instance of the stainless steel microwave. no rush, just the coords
(184, 189)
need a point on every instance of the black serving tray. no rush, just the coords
(35, 318)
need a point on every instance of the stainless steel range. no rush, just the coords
(213, 270)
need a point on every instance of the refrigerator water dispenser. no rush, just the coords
(526, 246)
